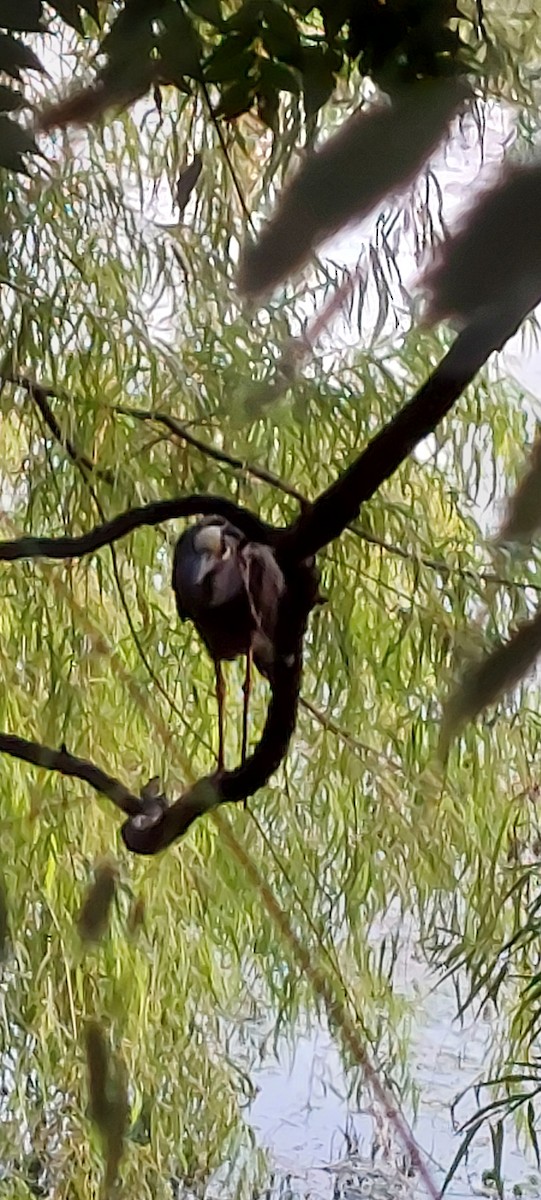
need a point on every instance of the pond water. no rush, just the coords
(301, 1116)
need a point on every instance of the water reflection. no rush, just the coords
(321, 1146)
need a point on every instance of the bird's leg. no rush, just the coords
(220, 696)
(246, 690)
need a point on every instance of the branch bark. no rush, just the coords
(152, 825)
(324, 519)
(135, 518)
(72, 766)
(335, 508)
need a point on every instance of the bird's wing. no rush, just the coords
(264, 584)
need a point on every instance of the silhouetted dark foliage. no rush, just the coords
(247, 57)
(17, 57)
(372, 155)
(524, 514)
(495, 255)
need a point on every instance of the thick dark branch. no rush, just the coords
(85, 467)
(69, 764)
(152, 826)
(243, 466)
(329, 515)
(134, 518)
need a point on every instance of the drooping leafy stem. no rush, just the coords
(156, 825)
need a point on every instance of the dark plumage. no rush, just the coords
(230, 588)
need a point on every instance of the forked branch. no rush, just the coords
(152, 825)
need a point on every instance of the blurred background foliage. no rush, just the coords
(129, 313)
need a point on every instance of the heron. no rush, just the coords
(230, 588)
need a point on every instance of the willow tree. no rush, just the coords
(158, 382)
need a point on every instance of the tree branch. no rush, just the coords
(327, 517)
(70, 765)
(40, 395)
(158, 826)
(135, 518)
(152, 825)
(85, 467)
(179, 430)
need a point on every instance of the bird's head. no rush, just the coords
(206, 571)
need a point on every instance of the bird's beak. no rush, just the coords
(204, 567)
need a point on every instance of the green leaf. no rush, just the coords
(179, 46)
(280, 35)
(209, 10)
(21, 15)
(232, 59)
(10, 101)
(15, 57)
(318, 79)
(247, 19)
(236, 100)
(14, 142)
(133, 34)
(228, 68)
(276, 77)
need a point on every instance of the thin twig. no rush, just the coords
(354, 743)
(180, 430)
(219, 133)
(338, 1015)
(40, 395)
(153, 830)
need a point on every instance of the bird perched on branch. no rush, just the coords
(230, 588)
